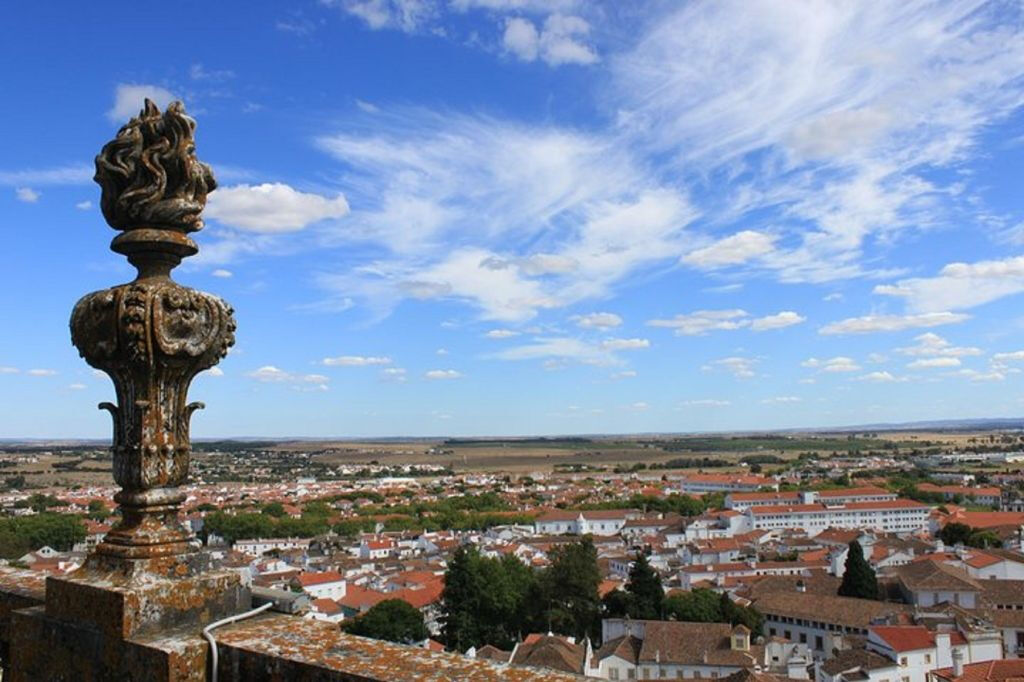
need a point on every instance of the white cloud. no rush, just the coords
(960, 285)
(544, 217)
(501, 334)
(222, 273)
(62, 175)
(625, 374)
(409, 16)
(559, 349)
(930, 344)
(639, 405)
(878, 377)
(781, 400)
(739, 367)
(397, 374)
(738, 248)
(891, 323)
(786, 318)
(625, 344)
(9, 370)
(839, 363)
(926, 363)
(41, 372)
(198, 72)
(704, 321)
(975, 375)
(436, 374)
(597, 320)
(83, 205)
(832, 297)
(356, 361)
(706, 402)
(215, 372)
(129, 99)
(77, 387)
(271, 374)
(824, 133)
(441, 351)
(1006, 358)
(272, 207)
(561, 40)
(27, 195)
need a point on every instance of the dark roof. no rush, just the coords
(682, 643)
(932, 575)
(550, 651)
(626, 647)
(852, 660)
(847, 611)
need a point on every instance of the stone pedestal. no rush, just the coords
(117, 619)
(136, 609)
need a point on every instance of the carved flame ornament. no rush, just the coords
(152, 336)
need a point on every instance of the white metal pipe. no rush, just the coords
(227, 621)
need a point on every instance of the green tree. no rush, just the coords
(955, 533)
(735, 614)
(617, 604)
(644, 586)
(275, 509)
(859, 579)
(697, 606)
(463, 588)
(393, 620)
(569, 586)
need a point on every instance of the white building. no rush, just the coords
(602, 522)
(323, 585)
(743, 501)
(699, 484)
(261, 546)
(892, 516)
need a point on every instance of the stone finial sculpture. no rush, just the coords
(152, 336)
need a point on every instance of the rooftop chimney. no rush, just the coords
(958, 663)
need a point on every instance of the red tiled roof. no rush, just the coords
(853, 506)
(911, 637)
(326, 606)
(989, 671)
(310, 579)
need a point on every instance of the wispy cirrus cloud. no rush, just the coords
(815, 129)
(868, 324)
(703, 321)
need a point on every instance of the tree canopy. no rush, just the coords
(644, 587)
(393, 620)
(859, 579)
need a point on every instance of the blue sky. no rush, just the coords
(540, 216)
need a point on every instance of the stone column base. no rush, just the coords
(44, 648)
(116, 619)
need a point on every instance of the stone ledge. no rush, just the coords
(277, 647)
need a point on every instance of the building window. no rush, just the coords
(818, 643)
(903, 663)
(613, 674)
(630, 674)
(927, 658)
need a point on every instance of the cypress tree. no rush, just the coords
(645, 587)
(859, 579)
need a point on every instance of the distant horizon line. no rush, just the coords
(948, 424)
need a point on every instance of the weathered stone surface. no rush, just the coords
(275, 647)
(56, 650)
(136, 608)
(152, 335)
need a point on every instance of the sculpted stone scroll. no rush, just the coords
(152, 336)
